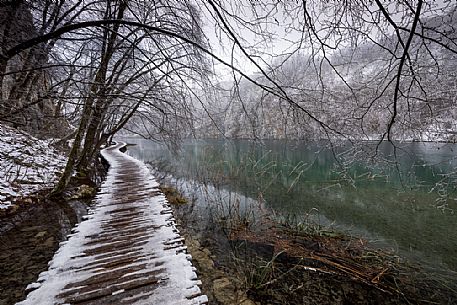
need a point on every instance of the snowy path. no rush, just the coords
(128, 250)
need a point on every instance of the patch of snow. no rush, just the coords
(33, 286)
(27, 165)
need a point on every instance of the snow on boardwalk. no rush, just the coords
(127, 251)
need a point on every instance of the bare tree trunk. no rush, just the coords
(8, 14)
(73, 156)
(87, 152)
(3, 65)
(90, 139)
(91, 118)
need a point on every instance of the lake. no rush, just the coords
(403, 198)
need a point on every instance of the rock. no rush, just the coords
(207, 252)
(27, 200)
(219, 287)
(224, 291)
(247, 302)
(49, 243)
(41, 234)
(31, 228)
(204, 260)
(84, 191)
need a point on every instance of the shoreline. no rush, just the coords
(324, 268)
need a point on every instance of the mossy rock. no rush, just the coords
(84, 191)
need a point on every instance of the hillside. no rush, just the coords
(27, 165)
(350, 92)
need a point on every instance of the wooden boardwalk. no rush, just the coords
(127, 251)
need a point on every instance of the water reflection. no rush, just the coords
(392, 198)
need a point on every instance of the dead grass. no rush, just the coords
(381, 273)
(173, 195)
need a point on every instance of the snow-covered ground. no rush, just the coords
(27, 165)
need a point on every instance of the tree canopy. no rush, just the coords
(85, 69)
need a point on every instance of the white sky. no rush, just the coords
(260, 49)
(281, 42)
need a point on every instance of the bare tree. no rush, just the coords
(364, 65)
(141, 62)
